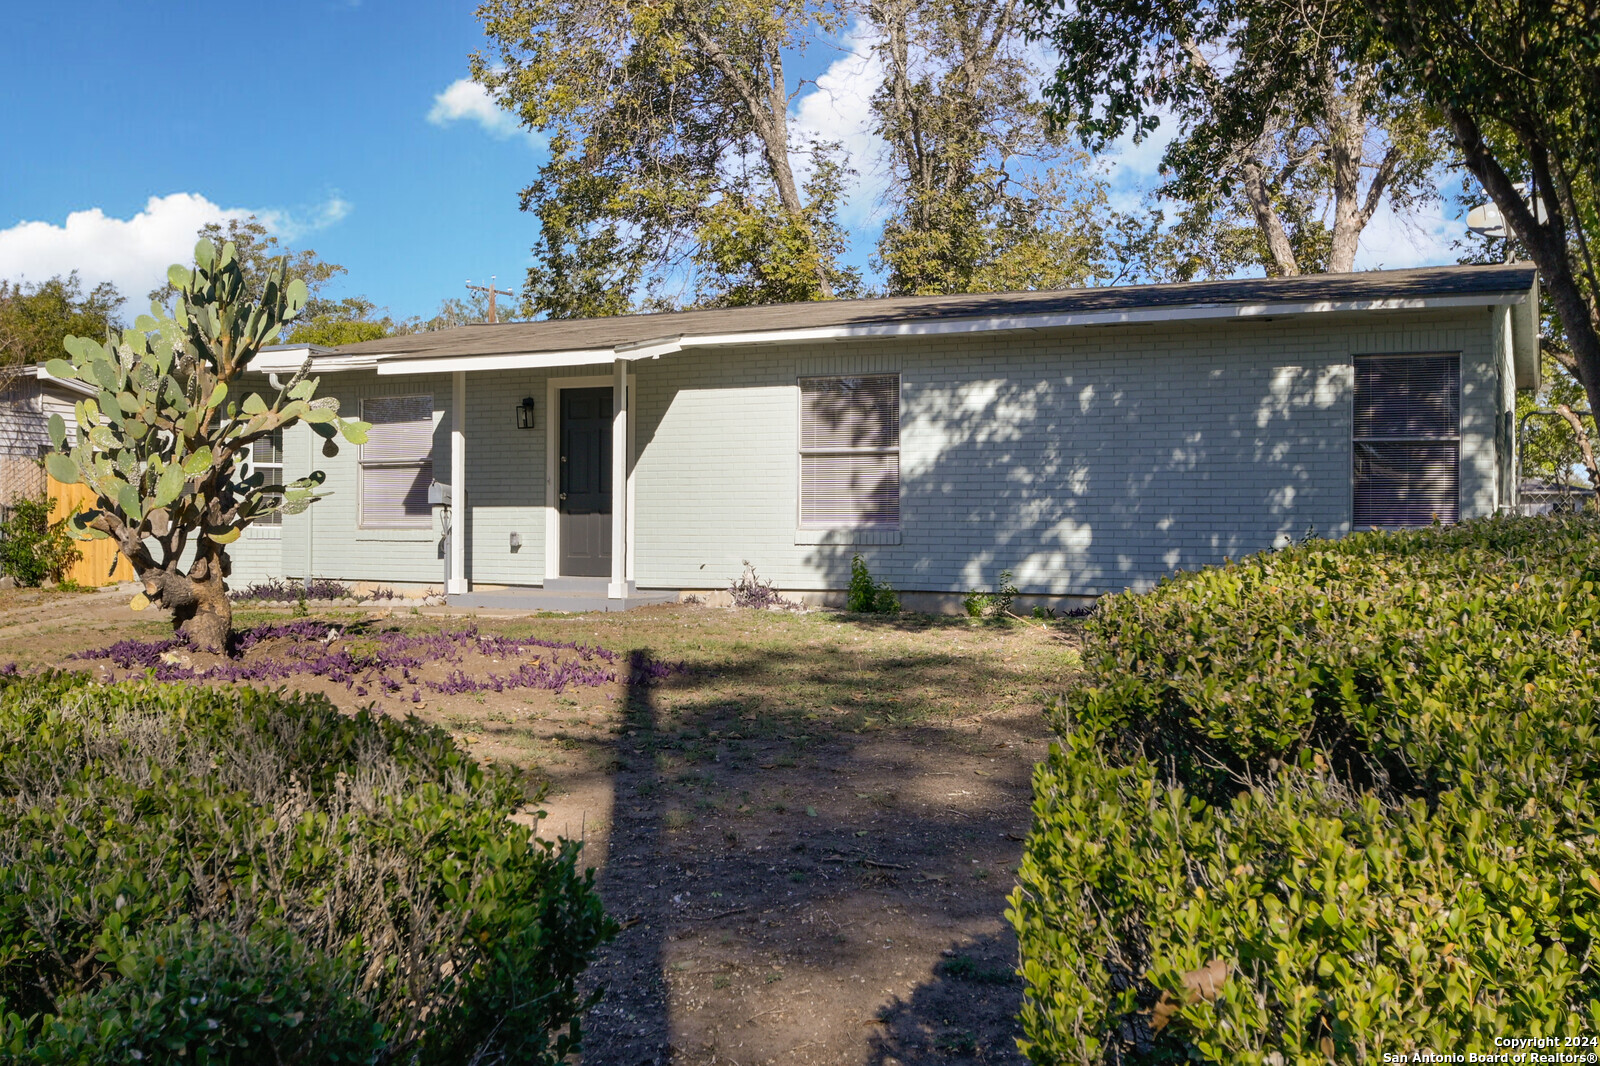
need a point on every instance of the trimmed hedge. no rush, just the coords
(1364, 776)
(231, 875)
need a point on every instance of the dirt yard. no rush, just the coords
(807, 824)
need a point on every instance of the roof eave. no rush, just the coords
(411, 363)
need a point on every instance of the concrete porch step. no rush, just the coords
(571, 595)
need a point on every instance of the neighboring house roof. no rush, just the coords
(29, 395)
(572, 342)
(1542, 487)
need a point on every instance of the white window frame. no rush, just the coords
(272, 474)
(802, 453)
(424, 521)
(1356, 441)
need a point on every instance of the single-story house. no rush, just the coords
(1088, 440)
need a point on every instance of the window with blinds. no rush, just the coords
(397, 462)
(850, 452)
(1407, 444)
(266, 459)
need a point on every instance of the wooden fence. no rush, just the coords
(95, 568)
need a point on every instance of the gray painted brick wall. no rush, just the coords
(1086, 460)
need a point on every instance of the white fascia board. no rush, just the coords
(397, 364)
(320, 364)
(1525, 359)
(82, 388)
(287, 358)
(450, 364)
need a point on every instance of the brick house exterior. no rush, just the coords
(1088, 440)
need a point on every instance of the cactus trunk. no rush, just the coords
(198, 599)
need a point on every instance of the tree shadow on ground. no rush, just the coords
(789, 875)
(966, 1014)
(630, 1025)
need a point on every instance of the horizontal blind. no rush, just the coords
(396, 497)
(1407, 447)
(397, 462)
(849, 413)
(266, 459)
(268, 450)
(850, 490)
(1406, 483)
(402, 429)
(850, 452)
(1407, 398)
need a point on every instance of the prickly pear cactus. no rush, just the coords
(161, 444)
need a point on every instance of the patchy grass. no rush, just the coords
(800, 830)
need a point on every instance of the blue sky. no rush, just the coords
(347, 127)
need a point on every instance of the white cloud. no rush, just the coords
(1392, 242)
(467, 101)
(290, 225)
(134, 253)
(839, 108)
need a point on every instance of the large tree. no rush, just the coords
(1281, 118)
(984, 194)
(35, 317)
(162, 443)
(1518, 83)
(671, 158)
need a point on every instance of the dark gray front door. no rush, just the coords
(586, 482)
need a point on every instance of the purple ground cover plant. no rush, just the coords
(364, 659)
(282, 590)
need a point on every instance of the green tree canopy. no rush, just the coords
(671, 162)
(324, 320)
(36, 317)
(1518, 84)
(985, 195)
(1283, 124)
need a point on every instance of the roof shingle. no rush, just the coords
(555, 335)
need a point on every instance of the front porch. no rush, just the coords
(601, 581)
(562, 594)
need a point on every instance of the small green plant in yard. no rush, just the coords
(1327, 803)
(957, 1043)
(966, 968)
(749, 590)
(34, 549)
(996, 604)
(867, 596)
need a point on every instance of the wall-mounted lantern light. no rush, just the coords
(525, 413)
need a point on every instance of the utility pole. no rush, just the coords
(491, 290)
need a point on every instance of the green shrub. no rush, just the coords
(996, 604)
(1363, 775)
(191, 993)
(867, 596)
(160, 836)
(34, 549)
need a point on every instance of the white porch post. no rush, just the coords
(458, 483)
(620, 403)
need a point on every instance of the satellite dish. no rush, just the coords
(1486, 220)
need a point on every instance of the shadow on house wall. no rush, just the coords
(1081, 473)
